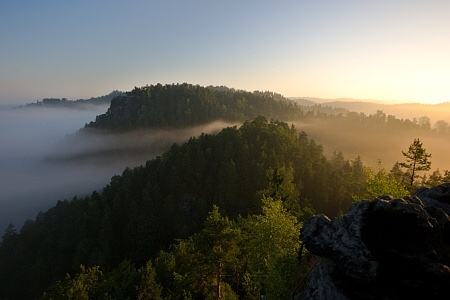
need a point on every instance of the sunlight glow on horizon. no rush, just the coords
(388, 51)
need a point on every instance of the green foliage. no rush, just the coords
(282, 187)
(381, 184)
(82, 286)
(123, 282)
(271, 250)
(149, 288)
(226, 259)
(417, 159)
(436, 178)
(235, 256)
(199, 264)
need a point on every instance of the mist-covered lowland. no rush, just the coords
(411, 111)
(180, 190)
(44, 160)
(30, 184)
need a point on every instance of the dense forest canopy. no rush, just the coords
(178, 105)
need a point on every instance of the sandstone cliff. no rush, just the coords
(383, 249)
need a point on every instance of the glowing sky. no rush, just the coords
(388, 50)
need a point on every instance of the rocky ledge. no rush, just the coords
(384, 248)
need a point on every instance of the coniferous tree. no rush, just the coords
(417, 159)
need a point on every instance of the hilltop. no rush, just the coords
(181, 105)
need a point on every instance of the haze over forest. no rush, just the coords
(42, 151)
(36, 143)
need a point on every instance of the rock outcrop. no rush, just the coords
(385, 248)
(123, 112)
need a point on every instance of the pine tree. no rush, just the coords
(417, 159)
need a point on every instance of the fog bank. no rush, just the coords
(375, 145)
(27, 184)
(42, 160)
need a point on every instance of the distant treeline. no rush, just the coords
(379, 120)
(63, 102)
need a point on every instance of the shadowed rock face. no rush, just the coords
(383, 249)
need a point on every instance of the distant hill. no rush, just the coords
(180, 105)
(303, 101)
(78, 104)
(410, 111)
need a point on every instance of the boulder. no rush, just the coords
(385, 248)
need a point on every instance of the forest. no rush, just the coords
(219, 213)
(79, 103)
(180, 105)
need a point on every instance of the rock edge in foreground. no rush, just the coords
(384, 248)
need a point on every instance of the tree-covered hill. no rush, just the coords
(180, 105)
(78, 104)
(147, 208)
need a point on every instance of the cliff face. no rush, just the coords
(383, 249)
(122, 111)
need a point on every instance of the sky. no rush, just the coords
(387, 50)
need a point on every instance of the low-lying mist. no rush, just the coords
(129, 148)
(28, 185)
(44, 158)
(375, 145)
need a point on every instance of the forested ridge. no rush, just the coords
(178, 105)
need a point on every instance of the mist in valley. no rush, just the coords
(374, 145)
(435, 112)
(45, 157)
